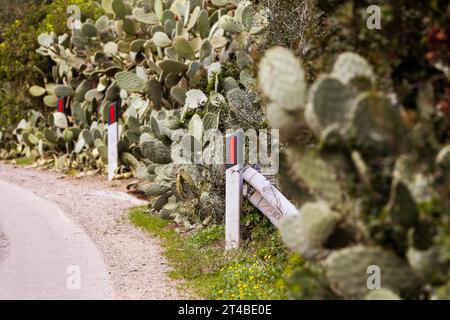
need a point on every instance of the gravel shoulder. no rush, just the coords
(134, 261)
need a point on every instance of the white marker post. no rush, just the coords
(113, 133)
(234, 190)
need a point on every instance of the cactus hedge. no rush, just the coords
(170, 65)
(371, 181)
(376, 190)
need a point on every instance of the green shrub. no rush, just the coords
(20, 64)
(56, 18)
(406, 52)
(257, 271)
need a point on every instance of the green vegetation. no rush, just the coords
(23, 161)
(410, 50)
(379, 190)
(176, 81)
(254, 272)
(21, 22)
(364, 118)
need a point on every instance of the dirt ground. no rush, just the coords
(134, 260)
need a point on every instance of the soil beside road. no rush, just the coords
(134, 262)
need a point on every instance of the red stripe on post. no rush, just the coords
(233, 150)
(60, 105)
(112, 114)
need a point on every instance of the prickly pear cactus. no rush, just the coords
(307, 231)
(164, 63)
(382, 183)
(351, 66)
(329, 104)
(348, 272)
(282, 79)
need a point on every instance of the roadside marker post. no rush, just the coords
(113, 134)
(245, 181)
(61, 105)
(234, 189)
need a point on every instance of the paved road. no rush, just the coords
(43, 255)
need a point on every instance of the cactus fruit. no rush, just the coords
(348, 275)
(307, 231)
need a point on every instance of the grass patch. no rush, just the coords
(23, 161)
(254, 272)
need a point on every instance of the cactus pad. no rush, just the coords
(318, 175)
(376, 123)
(37, 91)
(347, 271)
(329, 104)
(129, 81)
(350, 66)
(183, 47)
(282, 79)
(307, 231)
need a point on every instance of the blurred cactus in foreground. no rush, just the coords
(376, 187)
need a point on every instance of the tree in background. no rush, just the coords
(21, 22)
(411, 48)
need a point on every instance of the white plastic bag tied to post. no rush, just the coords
(259, 202)
(258, 190)
(271, 195)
